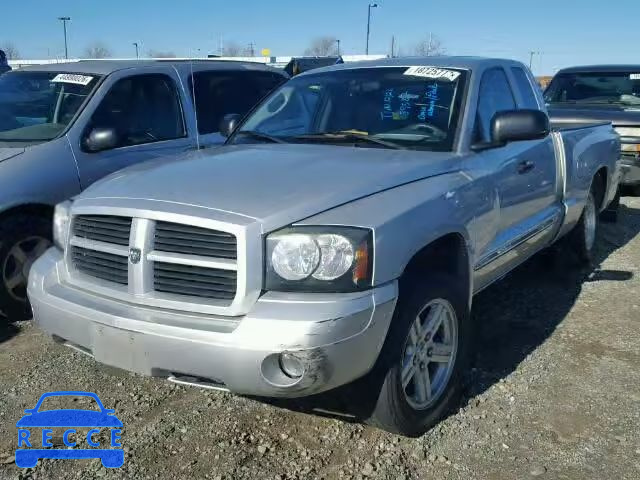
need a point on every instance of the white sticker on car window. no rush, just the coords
(72, 78)
(433, 72)
(635, 76)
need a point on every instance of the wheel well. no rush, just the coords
(30, 209)
(448, 255)
(600, 182)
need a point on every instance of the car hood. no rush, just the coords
(618, 115)
(7, 153)
(273, 184)
(69, 418)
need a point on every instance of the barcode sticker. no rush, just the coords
(433, 72)
(72, 78)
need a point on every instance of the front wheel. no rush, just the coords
(424, 356)
(22, 240)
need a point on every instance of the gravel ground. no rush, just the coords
(555, 393)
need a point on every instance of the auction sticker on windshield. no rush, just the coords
(635, 76)
(432, 72)
(72, 78)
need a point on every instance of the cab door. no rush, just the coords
(144, 111)
(522, 182)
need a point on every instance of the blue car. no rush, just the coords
(68, 418)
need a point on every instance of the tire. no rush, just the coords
(610, 215)
(402, 410)
(23, 238)
(581, 240)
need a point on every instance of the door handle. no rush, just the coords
(525, 166)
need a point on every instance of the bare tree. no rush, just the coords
(97, 50)
(160, 54)
(10, 50)
(430, 47)
(232, 49)
(323, 47)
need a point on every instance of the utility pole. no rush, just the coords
(135, 44)
(64, 21)
(531, 54)
(251, 46)
(370, 6)
(393, 45)
(338, 45)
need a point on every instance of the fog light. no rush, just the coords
(290, 365)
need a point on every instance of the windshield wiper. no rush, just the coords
(259, 136)
(349, 136)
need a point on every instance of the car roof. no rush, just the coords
(105, 67)
(602, 69)
(464, 63)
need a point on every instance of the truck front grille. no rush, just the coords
(187, 265)
(106, 266)
(194, 281)
(178, 238)
(103, 228)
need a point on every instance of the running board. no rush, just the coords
(197, 382)
(79, 349)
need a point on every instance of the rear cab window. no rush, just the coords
(525, 87)
(218, 93)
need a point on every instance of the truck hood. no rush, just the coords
(7, 153)
(618, 115)
(273, 184)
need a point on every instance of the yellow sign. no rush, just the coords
(266, 52)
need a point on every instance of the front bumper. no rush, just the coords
(336, 337)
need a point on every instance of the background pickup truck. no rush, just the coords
(608, 93)
(339, 237)
(64, 126)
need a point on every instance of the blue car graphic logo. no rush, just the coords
(68, 418)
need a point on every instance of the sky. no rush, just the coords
(561, 32)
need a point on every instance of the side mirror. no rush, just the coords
(101, 139)
(517, 125)
(229, 123)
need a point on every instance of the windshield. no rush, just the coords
(385, 107)
(619, 88)
(36, 107)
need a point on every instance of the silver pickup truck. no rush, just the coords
(341, 235)
(64, 126)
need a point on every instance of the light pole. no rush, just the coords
(338, 46)
(64, 21)
(531, 54)
(370, 6)
(135, 44)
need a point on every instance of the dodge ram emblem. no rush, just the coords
(135, 255)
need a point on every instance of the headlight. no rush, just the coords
(61, 216)
(322, 259)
